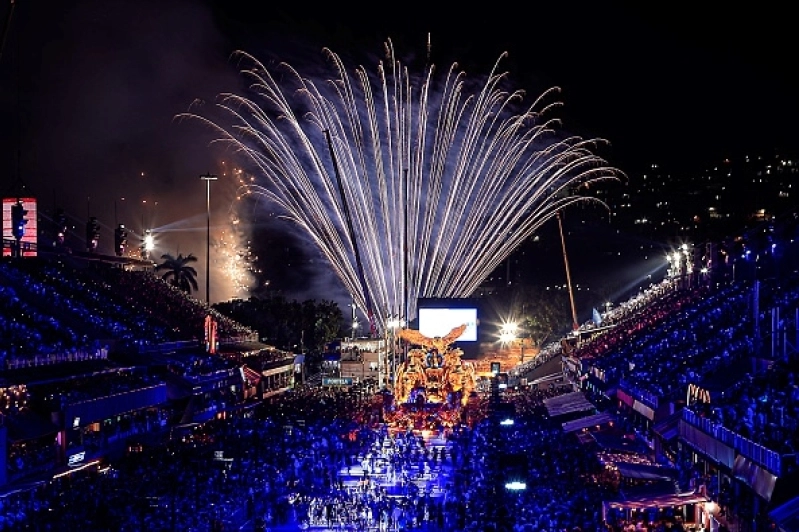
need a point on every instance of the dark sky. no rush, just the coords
(89, 88)
(665, 84)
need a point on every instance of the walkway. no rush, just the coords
(422, 478)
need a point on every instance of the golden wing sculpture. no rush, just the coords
(414, 337)
(439, 343)
(442, 343)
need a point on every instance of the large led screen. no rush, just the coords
(28, 242)
(440, 321)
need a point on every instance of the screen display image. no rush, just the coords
(28, 242)
(440, 321)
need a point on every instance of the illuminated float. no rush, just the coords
(434, 387)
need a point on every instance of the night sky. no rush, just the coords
(89, 91)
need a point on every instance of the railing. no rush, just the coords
(55, 358)
(209, 374)
(25, 245)
(165, 347)
(648, 398)
(768, 459)
(242, 337)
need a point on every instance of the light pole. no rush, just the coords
(208, 178)
(575, 325)
(354, 319)
(394, 323)
(147, 245)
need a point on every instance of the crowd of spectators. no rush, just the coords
(287, 462)
(314, 457)
(31, 456)
(563, 491)
(662, 349)
(94, 306)
(199, 365)
(184, 313)
(545, 354)
(701, 340)
(302, 461)
(616, 324)
(58, 312)
(98, 384)
(763, 407)
(685, 337)
(27, 332)
(258, 358)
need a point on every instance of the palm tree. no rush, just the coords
(179, 274)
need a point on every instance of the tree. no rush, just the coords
(540, 314)
(287, 324)
(328, 322)
(178, 273)
(545, 313)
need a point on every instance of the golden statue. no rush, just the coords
(412, 374)
(433, 370)
(454, 373)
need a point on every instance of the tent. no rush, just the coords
(587, 421)
(567, 403)
(661, 501)
(617, 440)
(645, 471)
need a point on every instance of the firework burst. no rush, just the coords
(236, 259)
(411, 186)
(234, 264)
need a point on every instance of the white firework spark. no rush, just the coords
(235, 266)
(442, 179)
(236, 260)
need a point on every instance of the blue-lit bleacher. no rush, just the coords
(93, 354)
(721, 354)
(717, 353)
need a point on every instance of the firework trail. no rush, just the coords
(448, 160)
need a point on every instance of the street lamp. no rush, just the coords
(354, 319)
(208, 178)
(507, 333)
(148, 245)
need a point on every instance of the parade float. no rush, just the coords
(434, 388)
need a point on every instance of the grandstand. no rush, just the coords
(97, 354)
(702, 370)
(710, 375)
